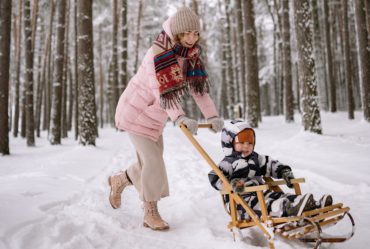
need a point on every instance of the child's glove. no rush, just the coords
(287, 175)
(191, 124)
(238, 185)
(217, 124)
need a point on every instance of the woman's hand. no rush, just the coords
(191, 124)
(217, 124)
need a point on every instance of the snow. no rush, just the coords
(57, 196)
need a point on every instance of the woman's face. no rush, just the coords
(189, 38)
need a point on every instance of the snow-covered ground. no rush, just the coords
(57, 196)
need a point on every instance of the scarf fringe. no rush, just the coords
(172, 98)
(199, 86)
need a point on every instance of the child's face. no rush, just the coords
(189, 38)
(245, 148)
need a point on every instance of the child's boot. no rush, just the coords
(305, 203)
(325, 200)
(152, 218)
(118, 183)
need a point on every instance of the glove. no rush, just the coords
(287, 175)
(237, 184)
(217, 124)
(191, 124)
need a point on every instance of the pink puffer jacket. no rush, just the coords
(138, 110)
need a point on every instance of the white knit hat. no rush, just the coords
(184, 20)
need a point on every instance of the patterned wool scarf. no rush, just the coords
(178, 69)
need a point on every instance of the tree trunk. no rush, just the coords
(86, 105)
(56, 111)
(363, 56)
(230, 79)
(224, 100)
(76, 84)
(5, 38)
(319, 57)
(124, 59)
(30, 128)
(137, 43)
(240, 38)
(310, 109)
(347, 61)
(39, 79)
(47, 70)
(274, 92)
(18, 48)
(367, 7)
(101, 79)
(65, 84)
(329, 60)
(287, 61)
(251, 58)
(114, 86)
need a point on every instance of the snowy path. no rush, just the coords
(56, 196)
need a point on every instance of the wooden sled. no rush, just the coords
(307, 228)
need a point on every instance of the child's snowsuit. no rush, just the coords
(251, 169)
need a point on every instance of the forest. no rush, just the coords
(64, 63)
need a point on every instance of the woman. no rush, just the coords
(170, 68)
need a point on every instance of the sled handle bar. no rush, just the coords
(204, 125)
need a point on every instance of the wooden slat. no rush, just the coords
(283, 182)
(321, 210)
(329, 214)
(297, 189)
(262, 202)
(269, 180)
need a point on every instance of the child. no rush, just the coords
(170, 68)
(242, 166)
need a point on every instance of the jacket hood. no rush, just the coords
(229, 132)
(167, 28)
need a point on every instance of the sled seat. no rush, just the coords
(307, 227)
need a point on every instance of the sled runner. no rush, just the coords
(309, 227)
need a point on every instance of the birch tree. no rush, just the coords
(311, 119)
(5, 37)
(86, 91)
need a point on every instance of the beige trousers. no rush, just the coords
(148, 174)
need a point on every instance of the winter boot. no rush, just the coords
(152, 219)
(118, 183)
(305, 203)
(325, 200)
